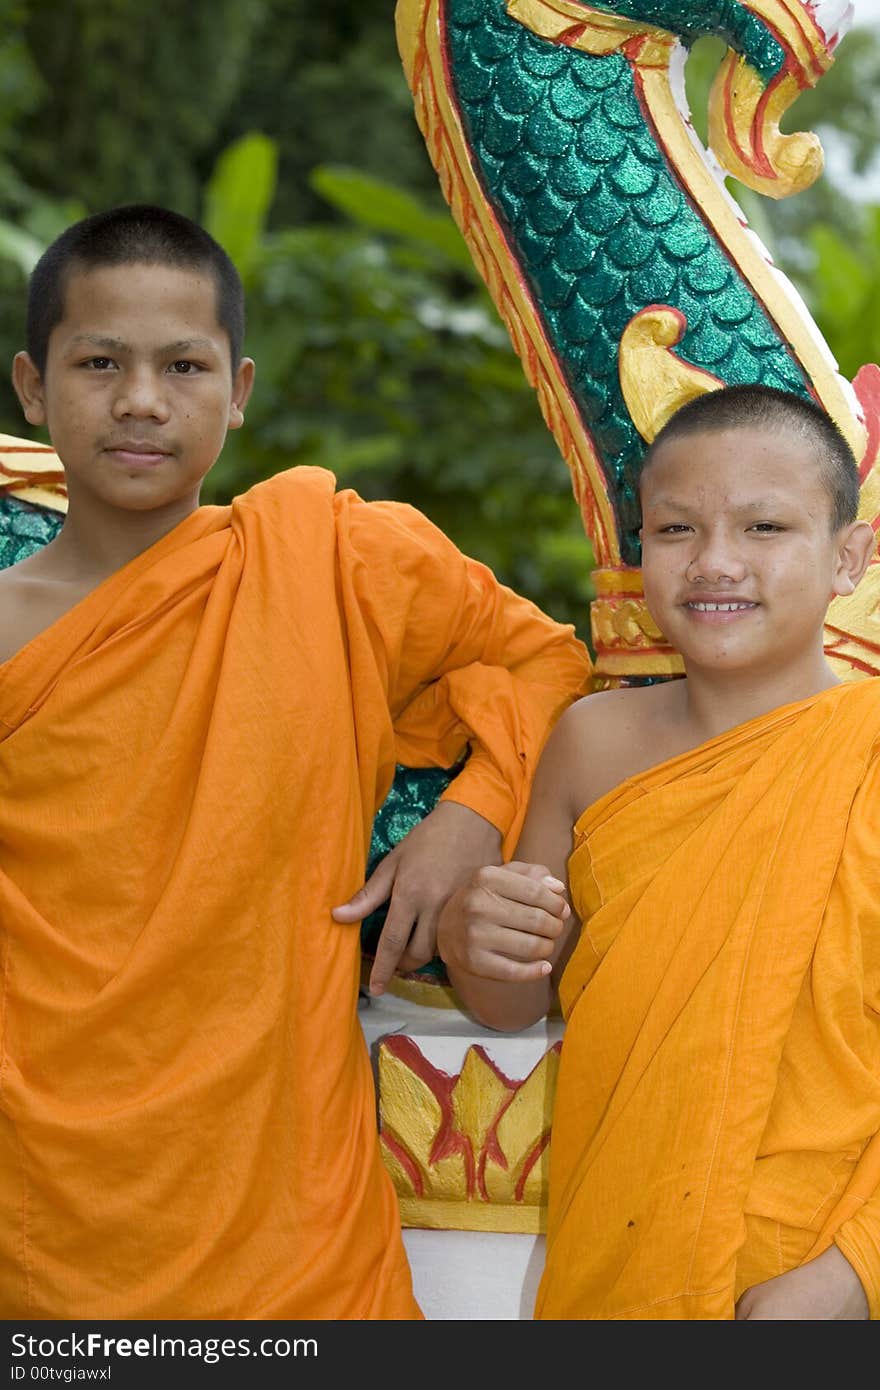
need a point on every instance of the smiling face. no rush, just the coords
(739, 556)
(138, 390)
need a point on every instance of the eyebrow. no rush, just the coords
(756, 504)
(118, 345)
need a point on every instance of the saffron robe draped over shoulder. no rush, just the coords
(718, 1098)
(190, 762)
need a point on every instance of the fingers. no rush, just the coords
(422, 945)
(523, 901)
(505, 923)
(508, 920)
(373, 894)
(395, 934)
(501, 953)
(390, 948)
(495, 965)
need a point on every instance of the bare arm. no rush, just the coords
(506, 934)
(826, 1288)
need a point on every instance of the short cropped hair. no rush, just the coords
(137, 234)
(766, 407)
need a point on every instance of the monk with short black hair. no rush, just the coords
(201, 708)
(698, 874)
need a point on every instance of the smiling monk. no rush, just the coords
(699, 872)
(200, 711)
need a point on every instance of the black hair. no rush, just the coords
(766, 407)
(137, 234)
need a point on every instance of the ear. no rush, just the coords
(855, 549)
(242, 385)
(29, 388)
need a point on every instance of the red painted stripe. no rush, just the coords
(406, 1163)
(866, 385)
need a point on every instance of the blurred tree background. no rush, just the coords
(289, 132)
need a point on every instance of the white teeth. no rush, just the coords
(720, 607)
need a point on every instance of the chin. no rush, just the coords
(727, 660)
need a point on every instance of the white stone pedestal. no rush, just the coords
(474, 1275)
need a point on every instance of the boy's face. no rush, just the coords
(739, 560)
(138, 391)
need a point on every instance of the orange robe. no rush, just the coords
(719, 1086)
(190, 762)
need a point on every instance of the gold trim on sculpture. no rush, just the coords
(466, 1152)
(852, 629)
(798, 30)
(742, 113)
(32, 473)
(655, 383)
(626, 640)
(579, 26)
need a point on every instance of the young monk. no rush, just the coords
(200, 711)
(714, 924)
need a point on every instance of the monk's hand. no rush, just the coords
(504, 923)
(419, 875)
(826, 1288)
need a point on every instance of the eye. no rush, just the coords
(98, 364)
(766, 528)
(183, 367)
(675, 528)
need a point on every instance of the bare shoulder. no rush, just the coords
(13, 585)
(14, 628)
(30, 602)
(614, 714)
(611, 735)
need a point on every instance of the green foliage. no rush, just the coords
(384, 208)
(134, 94)
(19, 247)
(238, 197)
(20, 88)
(325, 82)
(845, 288)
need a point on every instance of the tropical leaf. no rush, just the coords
(239, 195)
(19, 247)
(382, 207)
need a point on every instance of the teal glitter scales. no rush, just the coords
(597, 218)
(24, 528)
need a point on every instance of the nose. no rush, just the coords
(716, 559)
(140, 396)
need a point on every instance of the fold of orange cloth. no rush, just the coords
(190, 761)
(721, 1062)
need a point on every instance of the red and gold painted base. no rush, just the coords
(464, 1121)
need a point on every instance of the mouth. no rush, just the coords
(133, 453)
(719, 610)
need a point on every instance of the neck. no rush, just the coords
(718, 701)
(96, 540)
